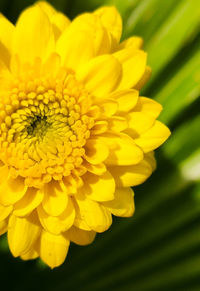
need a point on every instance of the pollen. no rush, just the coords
(43, 127)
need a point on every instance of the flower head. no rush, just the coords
(74, 133)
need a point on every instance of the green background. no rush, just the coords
(159, 248)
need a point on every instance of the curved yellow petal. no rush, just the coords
(150, 158)
(22, 233)
(117, 123)
(55, 199)
(148, 106)
(46, 7)
(108, 107)
(154, 137)
(96, 151)
(98, 169)
(53, 249)
(3, 226)
(127, 176)
(5, 211)
(29, 202)
(111, 20)
(6, 34)
(101, 75)
(123, 149)
(127, 99)
(30, 255)
(133, 61)
(79, 236)
(33, 35)
(94, 215)
(57, 224)
(59, 21)
(138, 123)
(51, 66)
(4, 173)
(123, 204)
(12, 190)
(134, 42)
(4, 77)
(146, 76)
(85, 31)
(91, 23)
(98, 188)
(99, 127)
(70, 47)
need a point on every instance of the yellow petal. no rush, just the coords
(70, 47)
(96, 151)
(6, 35)
(126, 176)
(60, 22)
(154, 137)
(4, 76)
(79, 236)
(33, 36)
(100, 37)
(127, 99)
(99, 127)
(86, 31)
(5, 211)
(55, 199)
(22, 233)
(4, 173)
(33, 253)
(30, 255)
(79, 221)
(148, 106)
(150, 158)
(12, 190)
(123, 204)
(123, 150)
(101, 75)
(57, 224)
(108, 107)
(133, 42)
(98, 188)
(58, 19)
(111, 20)
(117, 123)
(53, 249)
(3, 226)
(138, 123)
(94, 215)
(146, 76)
(98, 169)
(52, 66)
(133, 61)
(46, 7)
(29, 202)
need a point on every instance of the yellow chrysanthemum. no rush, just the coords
(74, 133)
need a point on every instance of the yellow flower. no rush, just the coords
(74, 133)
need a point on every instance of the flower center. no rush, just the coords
(38, 126)
(44, 126)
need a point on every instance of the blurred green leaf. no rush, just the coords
(182, 89)
(184, 141)
(173, 34)
(149, 13)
